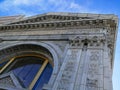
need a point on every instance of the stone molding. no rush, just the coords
(93, 23)
(90, 41)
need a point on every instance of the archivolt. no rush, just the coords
(11, 50)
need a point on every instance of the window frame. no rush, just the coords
(27, 55)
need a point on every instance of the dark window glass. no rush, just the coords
(3, 64)
(26, 68)
(44, 78)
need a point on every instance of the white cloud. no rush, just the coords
(70, 6)
(17, 6)
(77, 7)
(19, 2)
(74, 5)
(26, 2)
(29, 7)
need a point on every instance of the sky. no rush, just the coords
(33, 7)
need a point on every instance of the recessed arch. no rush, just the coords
(29, 72)
(54, 50)
(46, 46)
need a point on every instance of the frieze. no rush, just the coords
(87, 41)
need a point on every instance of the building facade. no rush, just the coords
(57, 51)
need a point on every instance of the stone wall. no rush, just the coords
(82, 48)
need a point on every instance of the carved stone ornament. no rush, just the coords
(87, 40)
(67, 75)
(92, 81)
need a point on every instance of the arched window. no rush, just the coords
(31, 70)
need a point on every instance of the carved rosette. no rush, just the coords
(92, 79)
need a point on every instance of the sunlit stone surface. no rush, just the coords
(79, 48)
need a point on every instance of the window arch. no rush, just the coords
(31, 69)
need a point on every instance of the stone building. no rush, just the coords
(57, 51)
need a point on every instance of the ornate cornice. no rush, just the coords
(9, 19)
(102, 23)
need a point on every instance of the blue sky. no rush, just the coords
(33, 7)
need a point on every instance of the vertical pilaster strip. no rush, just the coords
(94, 79)
(107, 69)
(66, 77)
(90, 71)
(80, 77)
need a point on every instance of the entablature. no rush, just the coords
(102, 23)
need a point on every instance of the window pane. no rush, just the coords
(44, 78)
(25, 69)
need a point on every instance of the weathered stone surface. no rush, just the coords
(80, 47)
